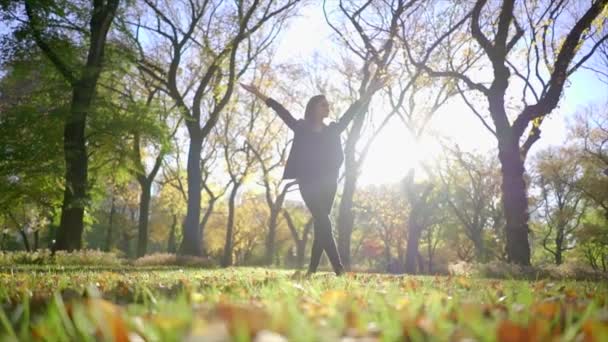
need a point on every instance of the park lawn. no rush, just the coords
(169, 304)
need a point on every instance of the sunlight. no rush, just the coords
(394, 153)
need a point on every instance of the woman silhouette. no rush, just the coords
(314, 161)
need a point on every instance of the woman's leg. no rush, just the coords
(329, 243)
(311, 198)
(319, 197)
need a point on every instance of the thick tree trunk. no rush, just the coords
(144, 213)
(191, 242)
(227, 258)
(26, 242)
(71, 226)
(515, 201)
(171, 245)
(69, 234)
(413, 241)
(108, 245)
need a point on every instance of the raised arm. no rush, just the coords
(350, 113)
(359, 105)
(283, 113)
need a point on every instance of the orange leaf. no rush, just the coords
(508, 331)
(547, 309)
(252, 319)
(104, 313)
(595, 331)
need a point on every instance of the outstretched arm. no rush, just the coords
(283, 113)
(376, 84)
(353, 110)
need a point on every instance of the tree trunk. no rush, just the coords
(300, 252)
(413, 240)
(300, 242)
(515, 201)
(36, 239)
(559, 242)
(346, 217)
(430, 255)
(227, 258)
(272, 232)
(351, 174)
(420, 263)
(191, 242)
(387, 254)
(171, 245)
(71, 226)
(144, 213)
(125, 243)
(26, 242)
(204, 221)
(108, 246)
(69, 234)
(479, 249)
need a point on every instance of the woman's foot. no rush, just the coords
(340, 271)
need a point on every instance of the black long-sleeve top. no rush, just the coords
(315, 154)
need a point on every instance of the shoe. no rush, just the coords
(340, 271)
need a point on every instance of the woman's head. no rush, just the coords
(317, 108)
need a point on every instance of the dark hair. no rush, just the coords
(311, 105)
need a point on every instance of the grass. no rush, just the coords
(49, 303)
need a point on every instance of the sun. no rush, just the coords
(393, 153)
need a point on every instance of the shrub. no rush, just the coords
(503, 270)
(167, 259)
(45, 257)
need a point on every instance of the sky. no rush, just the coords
(393, 153)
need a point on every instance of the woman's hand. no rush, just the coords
(254, 90)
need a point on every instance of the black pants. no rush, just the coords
(318, 195)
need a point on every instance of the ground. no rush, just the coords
(62, 303)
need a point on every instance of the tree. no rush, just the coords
(472, 185)
(589, 133)
(170, 203)
(59, 31)
(524, 44)
(367, 30)
(562, 206)
(206, 55)
(425, 200)
(33, 100)
(381, 212)
(240, 161)
(300, 238)
(149, 133)
(593, 241)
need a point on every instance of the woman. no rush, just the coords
(314, 161)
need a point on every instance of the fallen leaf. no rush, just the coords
(251, 318)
